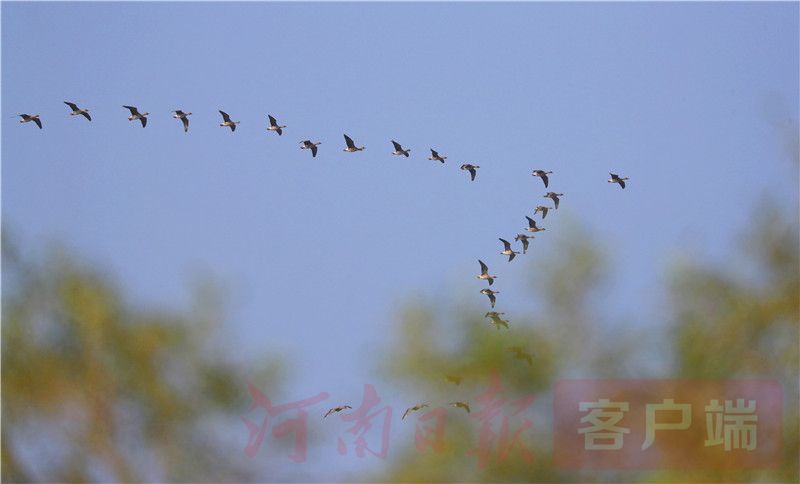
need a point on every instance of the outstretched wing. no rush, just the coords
(144, 121)
(38, 122)
(531, 222)
(185, 120)
(506, 243)
(397, 146)
(86, 115)
(484, 268)
(545, 180)
(472, 173)
(349, 142)
(225, 116)
(132, 109)
(72, 106)
(313, 151)
(272, 121)
(622, 183)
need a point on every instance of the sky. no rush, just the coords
(690, 100)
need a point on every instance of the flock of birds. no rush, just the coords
(494, 317)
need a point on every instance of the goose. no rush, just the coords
(184, 117)
(135, 114)
(543, 175)
(525, 239)
(617, 179)
(463, 405)
(507, 250)
(491, 294)
(435, 156)
(485, 273)
(27, 118)
(226, 121)
(78, 111)
(308, 145)
(473, 170)
(521, 354)
(351, 147)
(416, 407)
(541, 208)
(532, 225)
(273, 125)
(453, 379)
(336, 410)
(398, 150)
(497, 321)
(553, 196)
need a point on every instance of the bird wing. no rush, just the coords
(405, 413)
(233, 127)
(72, 106)
(545, 180)
(622, 183)
(144, 121)
(531, 222)
(472, 173)
(492, 299)
(279, 131)
(132, 109)
(272, 121)
(506, 243)
(484, 268)
(179, 112)
(614, 176)
(555, 201)
(185, 120)
(328, 412)
(434, 154)
(86, 115)
(225, 116)
(349, 142)
(397, 146)
(313, 151)
(38, 122)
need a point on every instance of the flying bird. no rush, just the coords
(226, 121)
(484, 275)
(27, 118)
(414, 409)
(543, 209)
(78, 111)
(453, 379)
(521, 353)
(135, 114)
(497, 321)
(473, 170)
(273, 125)
(543, 175)
(491, 294)
(463, 405)
(553, 196)
(184, 117)
(435, 156)
(525, 239)
(351, 147)
(398, 150)
(507, 250)
(617, 179)
(532, 225)
(308, 145)
(336, 410)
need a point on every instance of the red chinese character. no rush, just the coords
(362, 424)
(297, 425)
(431, 436)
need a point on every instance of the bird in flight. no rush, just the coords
(398, 150)
(273, 125)
(496, 320)
(484, 275)
(543, 175)
(541, 208)
(554, 197)
(226, 121)
(617, 179)
(435, 156)
(416, 407)
(491, 294)
(532, 225)
(473, 170)
(351, 147)
(184, 117)
(308, 145)
(78, 111)
(453, 379)
(463, 405)
(525, 239)
(336, 410)
(521, 353)
(507, 250)
(27, 118)
(135, 114)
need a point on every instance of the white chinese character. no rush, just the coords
(734, 426)
(603, 415)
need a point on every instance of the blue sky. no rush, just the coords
(317, 254)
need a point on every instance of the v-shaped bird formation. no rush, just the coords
(494, 317)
